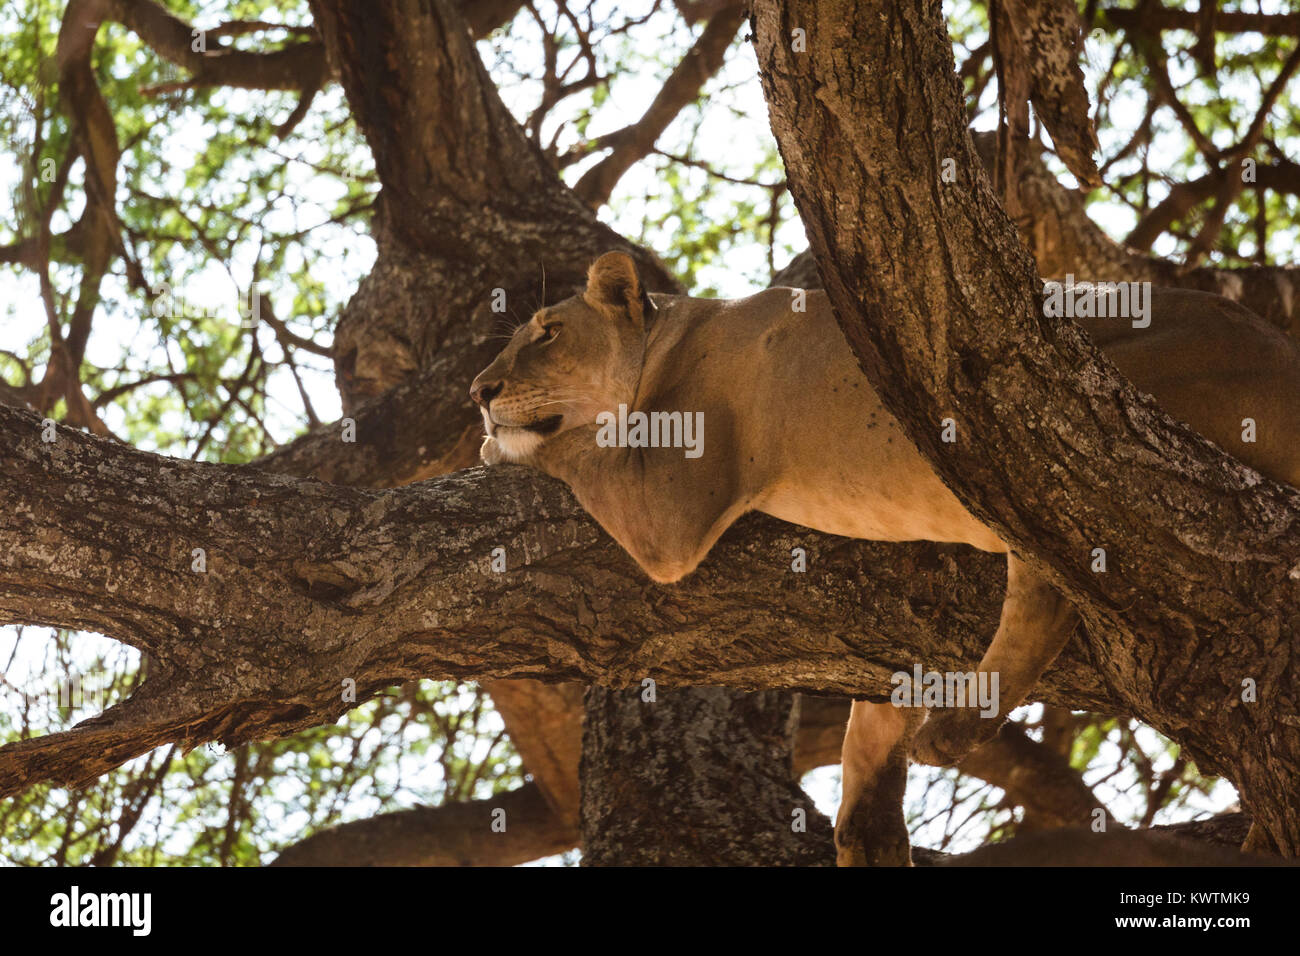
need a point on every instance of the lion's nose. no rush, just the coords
(483, 392)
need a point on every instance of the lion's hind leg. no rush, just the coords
(1036, 623)
(869, 828)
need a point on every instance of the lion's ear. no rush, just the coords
(613, 283)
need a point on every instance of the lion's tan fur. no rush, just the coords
(794, 429)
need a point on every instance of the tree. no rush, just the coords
(363, 584)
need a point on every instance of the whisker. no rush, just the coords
(560, 401)
(571, 393)
(519, 322)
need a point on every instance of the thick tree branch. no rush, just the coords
(451, 834)
(1060, 454)
(722, 793)
(1151, 18)
(310, 585)
(1036, 46)
(298, 66)
(445, 146)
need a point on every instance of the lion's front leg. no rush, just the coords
(869, 828)
(664, 509)
(1036, 622)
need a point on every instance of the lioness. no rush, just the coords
(793, 428)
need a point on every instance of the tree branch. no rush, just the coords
(308, 585)
(634, 142)
(298, 66)
(1151, 18)
(451, 834)
(1210, 842)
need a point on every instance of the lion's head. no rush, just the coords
(568, 363)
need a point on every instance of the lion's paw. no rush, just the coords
(945, 739)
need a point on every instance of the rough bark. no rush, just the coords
(1035, 48)
(940, 301)
(717, 769)
(1049, 34)
(309, 584)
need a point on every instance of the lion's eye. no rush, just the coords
(549, 332)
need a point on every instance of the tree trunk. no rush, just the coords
(696, 777)
(1058, 453)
